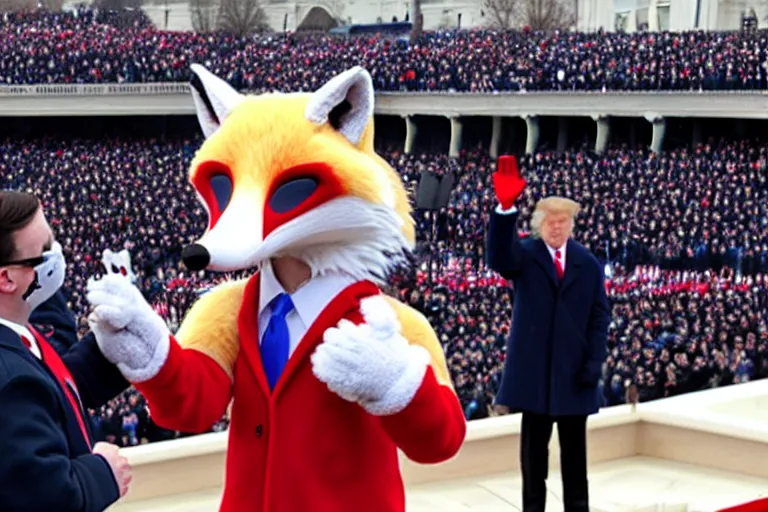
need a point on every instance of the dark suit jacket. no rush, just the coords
(559, 329)
(46, 464)
(55, 321)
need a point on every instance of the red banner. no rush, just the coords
(760, 505)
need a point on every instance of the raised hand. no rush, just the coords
(507, 182)
(118, 263)
(128, 331)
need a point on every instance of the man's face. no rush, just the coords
(30, 242)
(556, 228)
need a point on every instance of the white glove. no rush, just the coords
(118, 263)
(128, 331)
(371, 364)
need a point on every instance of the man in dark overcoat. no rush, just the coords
(559, 336)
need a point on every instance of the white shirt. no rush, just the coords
(22, 331)
(309, 301)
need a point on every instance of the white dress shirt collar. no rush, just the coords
(24, 332)
(310, 300)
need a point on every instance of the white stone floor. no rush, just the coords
(636, 484)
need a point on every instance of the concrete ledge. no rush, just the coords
(175, 99)
(493, 444)
(722, 428)
(197, 463)
(176, 467)
(715, 429)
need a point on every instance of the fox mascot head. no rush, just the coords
(296, 175)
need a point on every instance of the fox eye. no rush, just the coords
(291, 194)
(221, 186)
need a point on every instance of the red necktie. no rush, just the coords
(559, 265)
(61, 372)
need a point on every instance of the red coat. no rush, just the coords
(303, 448)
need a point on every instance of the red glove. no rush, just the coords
(507, 181)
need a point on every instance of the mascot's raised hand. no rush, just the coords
(118, 263)
(128, 331)
(371, 363)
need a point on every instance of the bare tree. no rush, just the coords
(501, 13)
(418, 21)
(203, 15)
(242, 17)
(547, 15)
(538, 14)
(16, 5)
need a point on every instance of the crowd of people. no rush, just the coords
(683, 233)
(91, 46)
(700, 209)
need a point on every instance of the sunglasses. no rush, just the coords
(28, 262)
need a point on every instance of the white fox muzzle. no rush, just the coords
(231, 244)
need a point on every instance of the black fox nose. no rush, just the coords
(195, 257)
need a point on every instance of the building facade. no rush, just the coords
(660, 15)
(609, 15)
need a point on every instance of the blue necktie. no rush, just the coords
(276, 342)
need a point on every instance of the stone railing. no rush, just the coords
(176, 99)
(93, 89)
(106, 89)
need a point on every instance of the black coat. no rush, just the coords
(54, 317)
(559, 332)
(46, 463)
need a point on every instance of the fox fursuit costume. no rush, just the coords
(295, 175)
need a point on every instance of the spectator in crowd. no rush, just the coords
(96, 46)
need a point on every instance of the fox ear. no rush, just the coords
(125, 256)
(345, 102)
(214, 99)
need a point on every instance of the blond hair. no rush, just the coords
(553, 204)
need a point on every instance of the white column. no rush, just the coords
(659, 131)
(603, 133)
(532, 136)
(493, 150)
(456, 129)
(410, 134)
